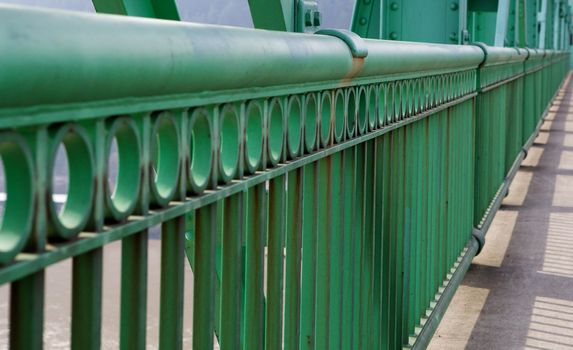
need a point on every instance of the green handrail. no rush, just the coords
(326, 189)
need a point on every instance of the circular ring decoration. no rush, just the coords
(200, 150)
(73, 216)
(121, 200)
(423, 88)
(229, 134)
(414, 93)
(372, 98)
(362, 113)
(19, 206)
(339, 112)
(310, 121)
(351, 112)
(294, 126)
(397, 101)
(253, 136)
(275, 131)
(165, 159)
(433, 92)
(325, 118)
(390, 102)
(406, 99)
(382, 89)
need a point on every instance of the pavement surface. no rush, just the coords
(518, 293)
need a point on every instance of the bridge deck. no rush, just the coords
(519, 292)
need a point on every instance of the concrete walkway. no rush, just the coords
(518, 293)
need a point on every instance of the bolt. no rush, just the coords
(317, 19)
(362, 20)
(393, 6)
(453, 36)
(393, 36)
(454, 6)
(308, 18)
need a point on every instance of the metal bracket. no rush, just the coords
(308, 17)
(355, 43)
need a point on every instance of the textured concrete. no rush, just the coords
(518, 294)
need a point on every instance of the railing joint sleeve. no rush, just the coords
(479, 236)
(355, 43)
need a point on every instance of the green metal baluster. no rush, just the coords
(172, 282)
(323, 246)
(86, 300)
(254, 269)
(336, 245)
(133, 291)
(357, 258)
(348, 199)
(293, 259)
(308, 277)
(231, 284)
(378, 228)
(204, 277)
(275, 262)
(27, 312)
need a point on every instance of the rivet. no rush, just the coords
(393, 36)
(362, 20)
(393, 6)
(454, 6)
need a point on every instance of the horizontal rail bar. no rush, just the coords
(44, 48)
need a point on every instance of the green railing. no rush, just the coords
(328, 191)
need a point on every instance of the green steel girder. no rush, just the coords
(273, 14)
(512, 23)
(367, 19)
(164, 9)
(441, 22)
(531, 23)
(286, 15)
(521, 23)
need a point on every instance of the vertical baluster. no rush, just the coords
(204, 277)
(367, 245)
(336, 248)
(295, 196)
(172, 281)
(232, 284)
(348, 198)
(86, 300)
(358, 237)
(378, 232)
(254, 274)
(275, 262)
(309, 228)
(324, 224)
(133, 291)
(27, 312)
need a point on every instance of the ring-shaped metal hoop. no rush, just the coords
(165, 168)
(19, 206)
(201, 150)
(73, 216)
(121, 200)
